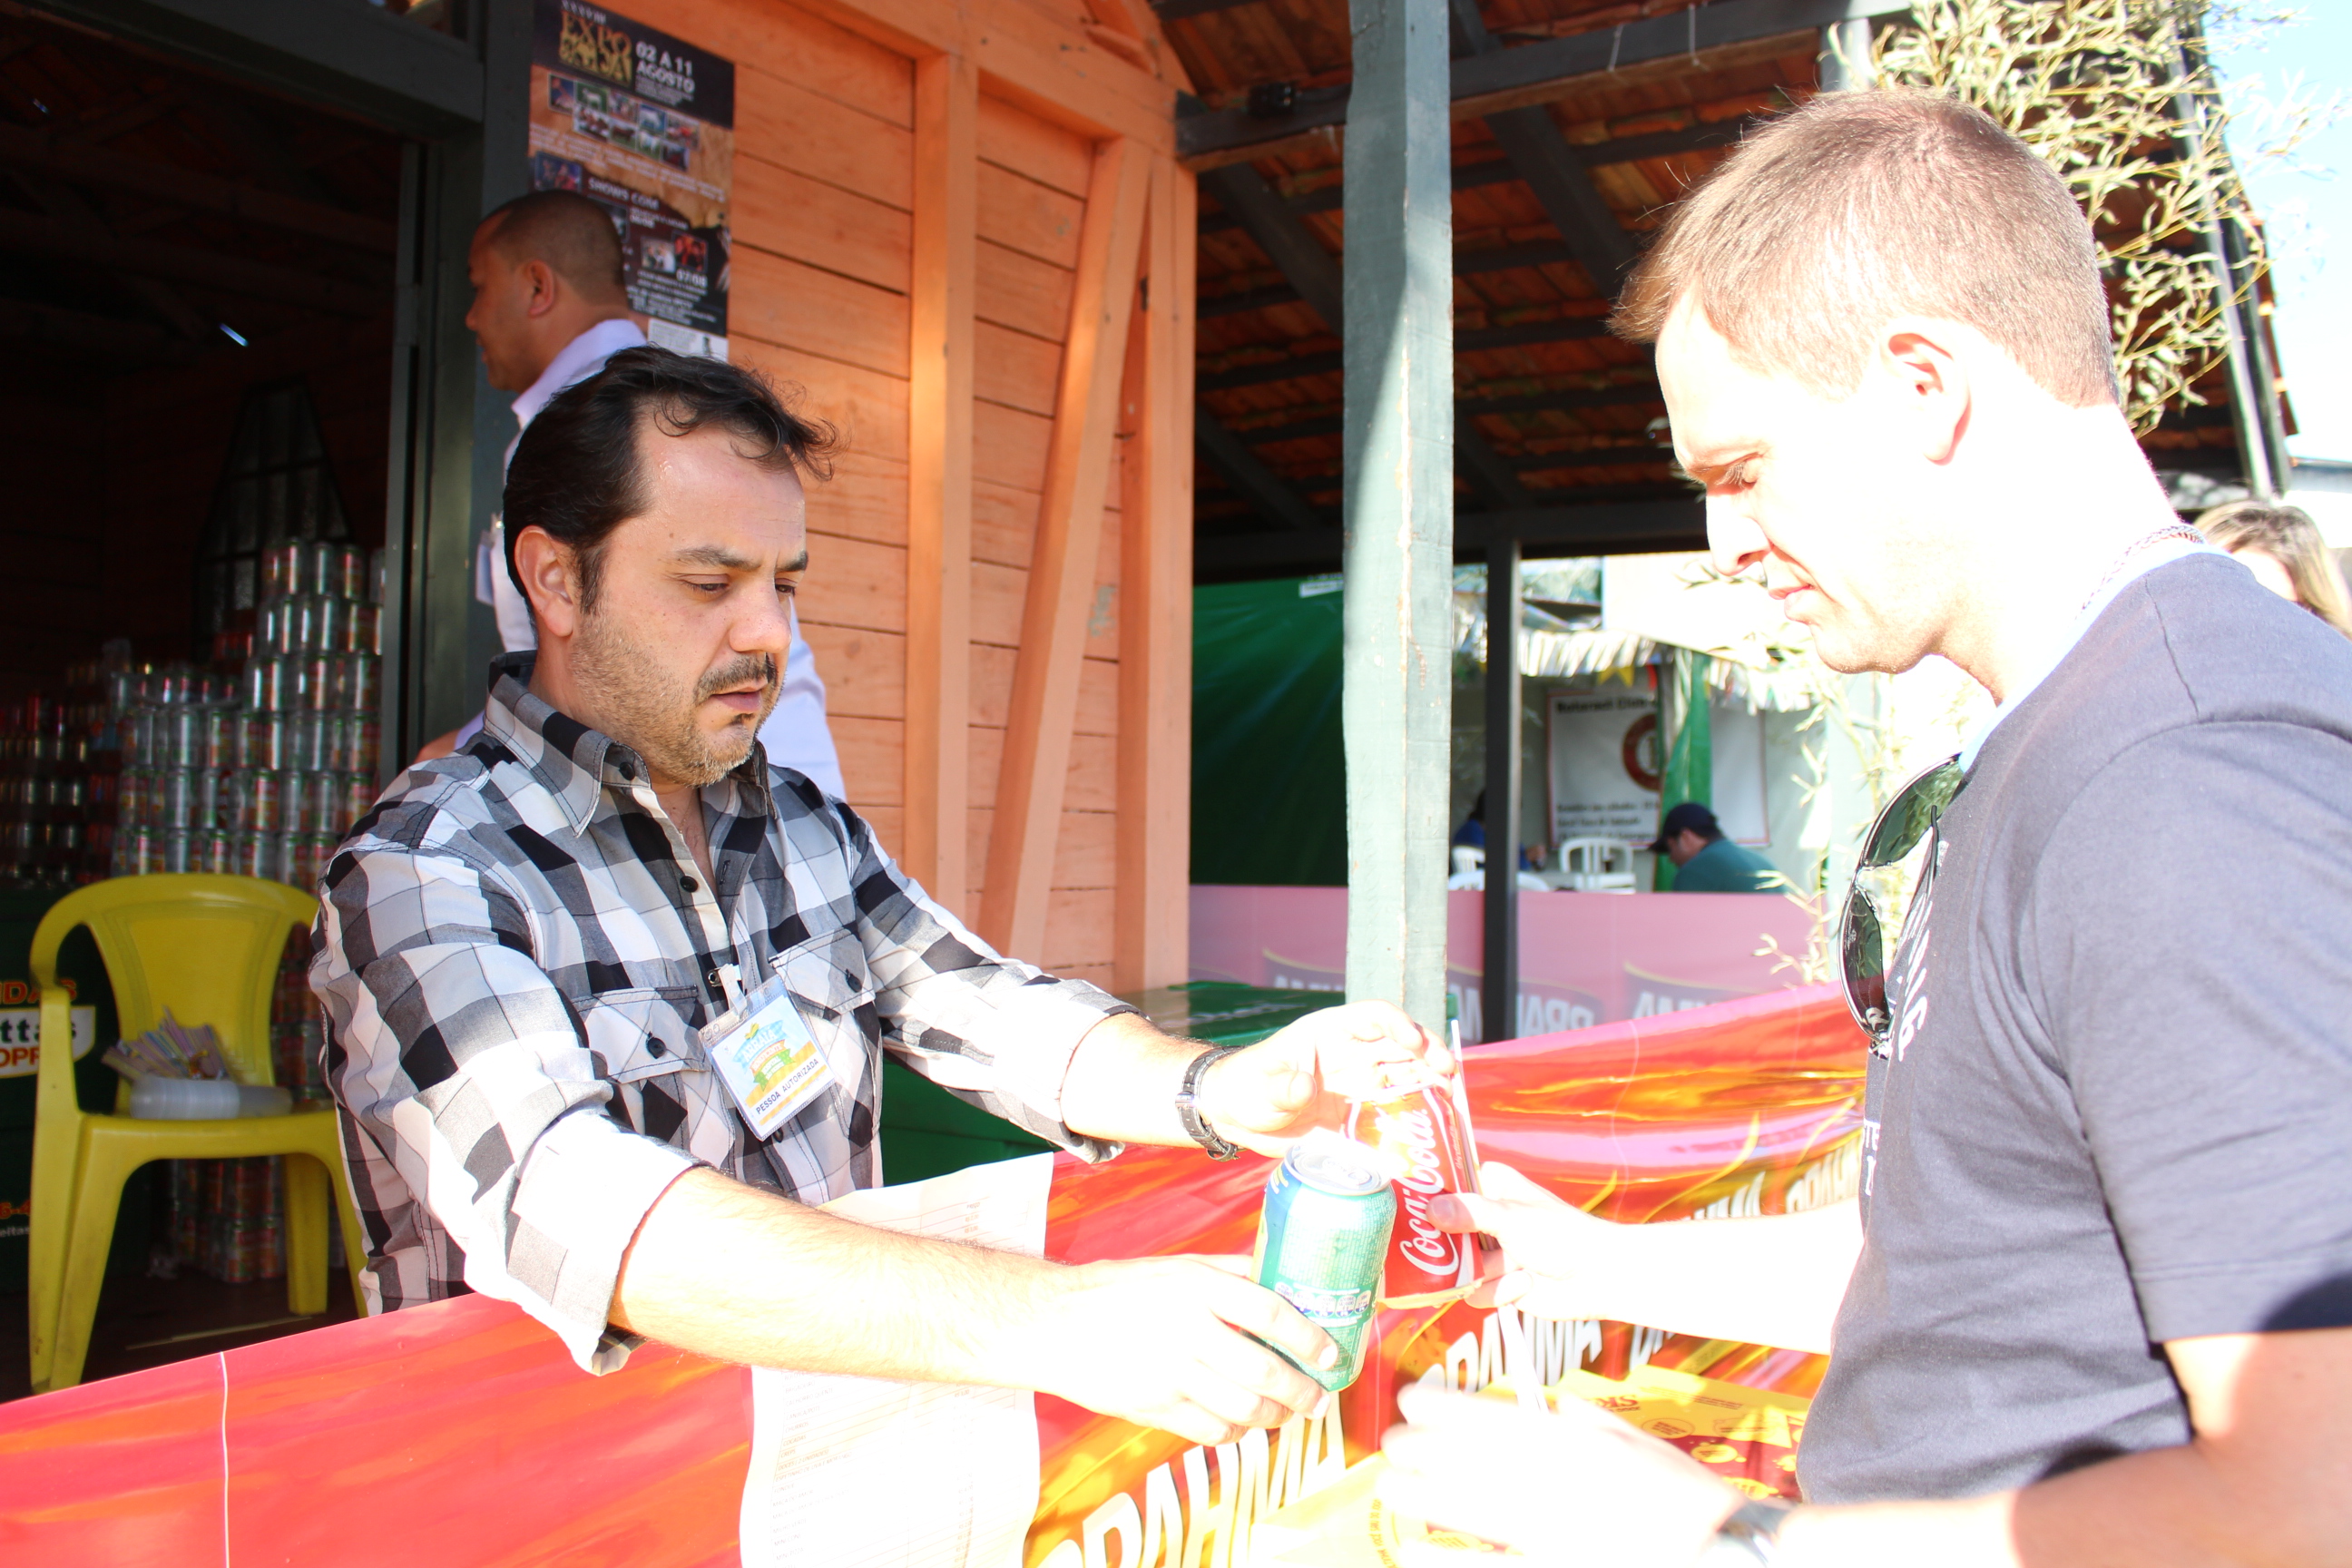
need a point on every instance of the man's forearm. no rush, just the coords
(1122, 1082)
(732, 1272)
(1773, 1281)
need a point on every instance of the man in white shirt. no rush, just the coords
(550, 307)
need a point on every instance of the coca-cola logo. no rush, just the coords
(1411, 1136)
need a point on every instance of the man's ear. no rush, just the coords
(551, 580)
(540, 283)
(1931, 380)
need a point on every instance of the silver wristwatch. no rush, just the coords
(1749, 1538)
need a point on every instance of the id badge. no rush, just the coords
(767, 1058)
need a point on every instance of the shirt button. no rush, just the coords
(688, 883)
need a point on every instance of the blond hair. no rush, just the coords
(1860, 206)
(2288, 536)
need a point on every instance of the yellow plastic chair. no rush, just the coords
(208, 948)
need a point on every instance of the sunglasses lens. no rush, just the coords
(1910, 815)
(1862, 941)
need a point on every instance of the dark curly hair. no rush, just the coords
(575, 473)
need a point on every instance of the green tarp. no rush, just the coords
(1269, 779)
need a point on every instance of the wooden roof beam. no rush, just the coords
(1535, 73)
(1532, 145)
(1314, 273)
(28, 149)
(1264, 489)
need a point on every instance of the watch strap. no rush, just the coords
(1750, 1538)
(1188, 1106)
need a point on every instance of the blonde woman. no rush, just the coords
(2281, 547)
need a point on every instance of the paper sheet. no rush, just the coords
(855, 1472)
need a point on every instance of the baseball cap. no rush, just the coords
(1690, 816)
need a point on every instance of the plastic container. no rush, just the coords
(186, 1099)
(263, 1100)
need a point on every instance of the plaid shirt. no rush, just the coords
(515, 951)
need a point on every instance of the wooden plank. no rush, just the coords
(1155, 663)
(866, 499)
(1011, 447)
(1048, 154)
(1103, 614)
(1097, 712)
(1022, 292)
(866, 408)
(987, 763)
(794, 305)
(1015, 369)
(1086, 854)
(825, 140)
(787, 212)
(855, 583)
(1035, 220)
(865, 672)
(870, 750)
(940, 471)
(1032, 787)
(991, 699)
(1094, 774)
(1003, 523)
(1076, 928)
(1056, 73)
(1000, 594)
(798, 46)
(977, 825)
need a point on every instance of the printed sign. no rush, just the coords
(1605, 765)
(20, 1037)
(643, 125)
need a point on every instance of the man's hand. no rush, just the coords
(1266, 1097)
(1163, 1341)
(1559, 1261)
(1578, 1486)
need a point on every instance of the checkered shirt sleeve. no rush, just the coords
(515, 952)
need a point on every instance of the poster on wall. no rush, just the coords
(643, 125)
(1605, 764)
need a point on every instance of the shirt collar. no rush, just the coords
(577, 764)
(576, 360)
(2141, 561)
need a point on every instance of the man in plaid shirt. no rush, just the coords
(518, 945)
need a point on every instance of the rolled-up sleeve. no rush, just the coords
(990, 1029)
(474, 1103)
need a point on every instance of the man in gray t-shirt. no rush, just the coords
(2095, 1302)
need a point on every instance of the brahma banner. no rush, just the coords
(463, 1433)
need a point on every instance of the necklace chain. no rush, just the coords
(2175, 530)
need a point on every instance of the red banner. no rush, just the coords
(460, 1434)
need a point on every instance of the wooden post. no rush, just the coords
(1398, 445)
(1036, 771)
(1155, 640)
(1500, 1008)
(939, 477)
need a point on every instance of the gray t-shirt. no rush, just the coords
(2117, 1108)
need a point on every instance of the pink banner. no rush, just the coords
(1584, 958)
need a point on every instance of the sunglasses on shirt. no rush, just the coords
(1862, 929)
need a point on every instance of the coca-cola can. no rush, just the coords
(319, 683)
(268, 740)
(333, 626)
(313, 736)
(367, 629)
(357, 798)
(175, 849)
(214, 799)
(306, 859)
(325, 810)
(261, 801)
(1421, 1137)
(216, 852)
(139, 852)
(365, 743)
(176, 798)
(282, 570)
(255, 856)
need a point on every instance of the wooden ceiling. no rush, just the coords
(148, 211)
(1552, 412)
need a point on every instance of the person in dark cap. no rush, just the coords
(1707, 862)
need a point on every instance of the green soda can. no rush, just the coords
(1321, 1242)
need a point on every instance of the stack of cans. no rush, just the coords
(227, 1217)
(263, 778)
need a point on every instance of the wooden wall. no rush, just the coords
(1004, 379)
